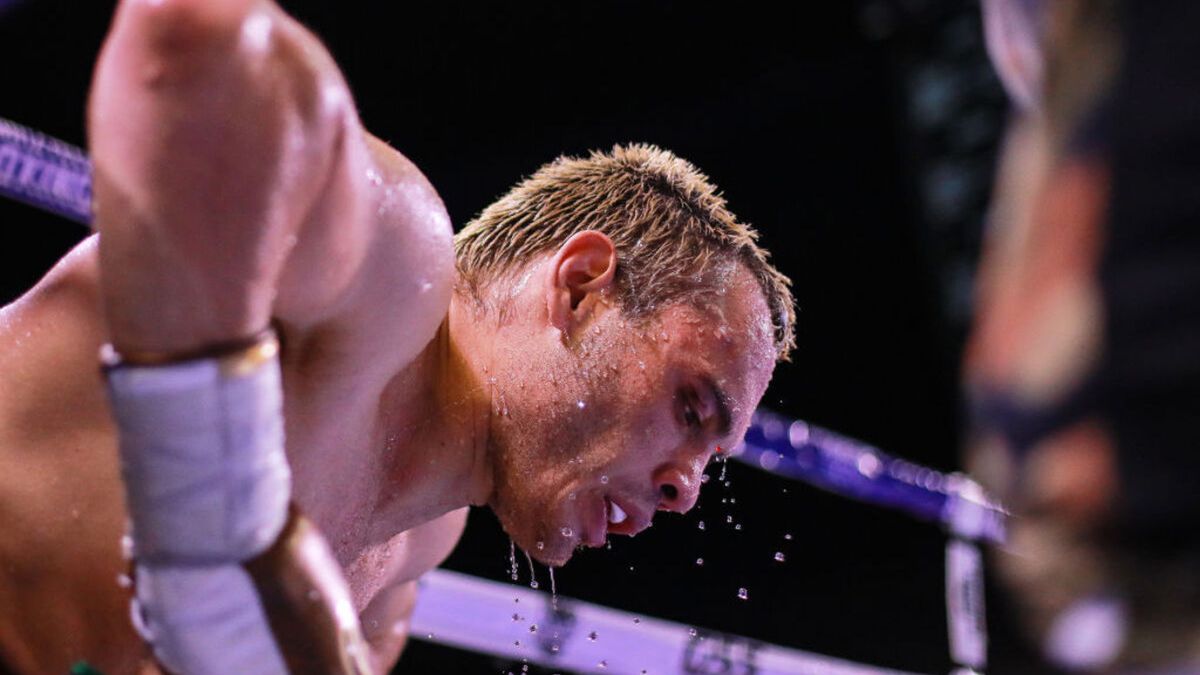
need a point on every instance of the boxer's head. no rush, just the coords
(635, 325)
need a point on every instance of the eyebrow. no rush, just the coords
(724, 417)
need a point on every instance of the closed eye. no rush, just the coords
(691, 414)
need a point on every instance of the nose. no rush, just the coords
(677, 489)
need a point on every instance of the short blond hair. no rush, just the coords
(672, 231)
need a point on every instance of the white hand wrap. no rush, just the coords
(202, 455)
(207, 487)
(205, 620)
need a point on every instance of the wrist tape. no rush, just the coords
(207, 487)
(202, 455)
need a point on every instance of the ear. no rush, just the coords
(584, 265)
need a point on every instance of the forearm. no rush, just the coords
(210, 136)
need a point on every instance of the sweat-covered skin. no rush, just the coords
(236, 189)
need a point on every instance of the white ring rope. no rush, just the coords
(476, 614)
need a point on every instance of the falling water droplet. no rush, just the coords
(788, 537)
(533, 582)
(704, 478)
(700, 525)
(779, 557)
(743, 593)
(512, 560)
(738, 527)
(700, 561)
(729, 519)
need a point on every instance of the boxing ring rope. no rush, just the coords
(474, 614)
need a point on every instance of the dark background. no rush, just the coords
(859, 137)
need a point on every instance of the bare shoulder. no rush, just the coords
(403, 284)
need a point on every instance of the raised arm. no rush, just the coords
(223, 138)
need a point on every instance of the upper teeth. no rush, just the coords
(615, 515)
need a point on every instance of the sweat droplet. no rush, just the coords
(541, 545)
(602, 664)
(779, 556)
(580, 404)
(743, 593)
(693, 632)
(592, 636)
(604, 480)
(533, 628)
(566, 531)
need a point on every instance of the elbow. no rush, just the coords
(174, 29)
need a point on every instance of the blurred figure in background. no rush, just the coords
(1083, 368)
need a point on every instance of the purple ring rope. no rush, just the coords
(832, 462)
(45, 172)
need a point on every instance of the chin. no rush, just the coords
(553, 559)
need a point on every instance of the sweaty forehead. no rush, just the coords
(727, 336)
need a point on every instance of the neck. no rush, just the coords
(435, 417)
